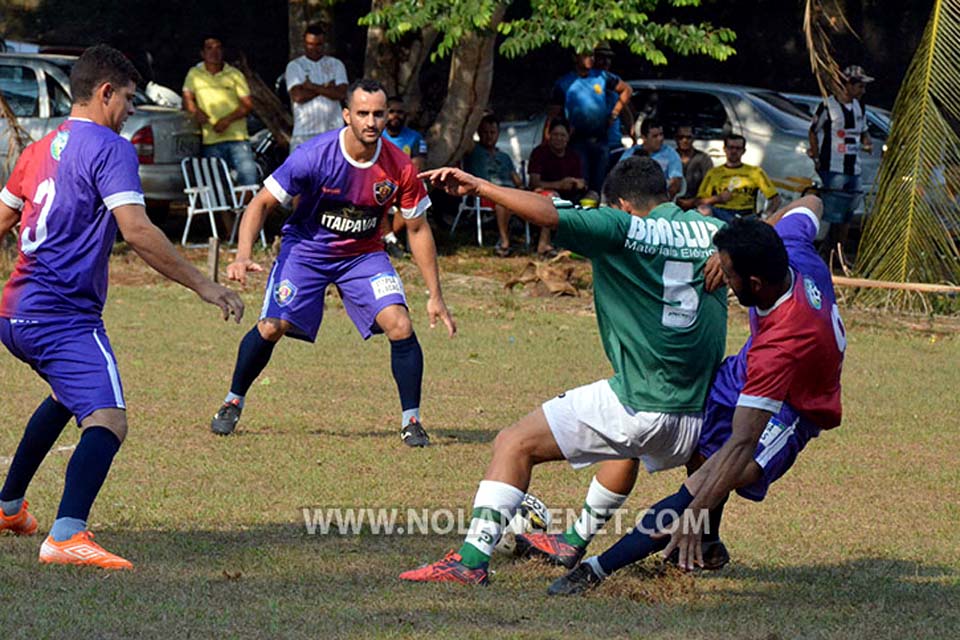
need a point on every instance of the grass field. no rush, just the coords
(860, 540)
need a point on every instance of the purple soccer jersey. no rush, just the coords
(342, 201)
(65, 185)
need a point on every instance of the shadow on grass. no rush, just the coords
(277, 580)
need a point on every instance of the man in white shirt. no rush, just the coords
(316, 84)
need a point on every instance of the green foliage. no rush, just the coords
(578, 25)
(911, 233)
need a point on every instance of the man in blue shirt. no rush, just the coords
(412, 144)
(651, 141)
(581, 95)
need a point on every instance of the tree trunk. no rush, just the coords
(267, 105)
(468, 91)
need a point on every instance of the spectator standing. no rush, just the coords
(651, 141)
(412, 144)
(218, 97)
(487, 162)
(696, 163)
(316, 84)
(731, 189)
(603, 61)
(554, 167)
(837, 133)
(582, 96)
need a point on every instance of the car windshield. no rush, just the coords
(783, 113)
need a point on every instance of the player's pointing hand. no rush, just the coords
(454, 181)
(237, 270)
(437, 310)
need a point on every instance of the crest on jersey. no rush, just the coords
(383, 190)
(59, 144)
(814, 297)
(284, 293)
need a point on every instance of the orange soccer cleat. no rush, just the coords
(80, 549)
(20, 523)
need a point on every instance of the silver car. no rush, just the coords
(775, 128)
(37, 88)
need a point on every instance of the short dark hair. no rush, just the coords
(490, 118)
(755, 249)
(635, 180)
(558, 122)
(734, 136)
(97, 65)
(315, 29)
(367, 85)
(647, 124)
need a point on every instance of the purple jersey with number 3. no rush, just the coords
(65, 186)
(342, 201)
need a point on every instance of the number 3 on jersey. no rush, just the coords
(43, 198)
(681, 301)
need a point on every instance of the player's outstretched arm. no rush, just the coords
(532, 207)
(810, 202)
(250, 224)
(8, 218)
(424, 250)
(151, 245)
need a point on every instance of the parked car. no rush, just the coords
(775, 128)
(37, 88)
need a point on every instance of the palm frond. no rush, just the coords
(820, 22)
(911, 234)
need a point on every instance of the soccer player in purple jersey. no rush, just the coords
(70, 192)
(346, 180)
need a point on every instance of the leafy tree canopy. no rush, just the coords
(577, 24)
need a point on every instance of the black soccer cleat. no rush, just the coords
(226, 419)
(578, 581)
(715, 555)
(394, 250)
(414, 435)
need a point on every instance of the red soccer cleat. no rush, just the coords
(450, 569)
(550, 546)
(20, 523)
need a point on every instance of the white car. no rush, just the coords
(774, 127)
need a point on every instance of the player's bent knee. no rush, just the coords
(113, 420)
(395, 322)
(272, 329)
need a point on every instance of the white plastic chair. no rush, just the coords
(474, 205)
(210, 190)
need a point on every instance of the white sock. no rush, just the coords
(595, 565)
(493, 508)
(390, 237)
(600, 505)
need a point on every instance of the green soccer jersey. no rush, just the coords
(663, 334)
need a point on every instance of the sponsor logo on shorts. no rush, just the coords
(385, 284)
(59, 144)
(383, 190)
(284, 293)
(814, 297)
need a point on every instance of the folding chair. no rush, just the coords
(475, 205)
(210, 189)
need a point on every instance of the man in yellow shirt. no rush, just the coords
(731, 189)
(218, 96)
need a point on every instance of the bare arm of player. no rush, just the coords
(250, 224)
(420, 239)
(813, 203)
(527, 205)
(9, 217)
(731, 467)
(772, 205)
(151, 245)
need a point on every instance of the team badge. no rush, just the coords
(383, 190)
(814, 297)
(284, 293)
(59, 144)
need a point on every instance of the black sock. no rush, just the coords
(406, 361)
(252, 357)
(713, 531)
(636, 545)
(45, 426)
(86, 471)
